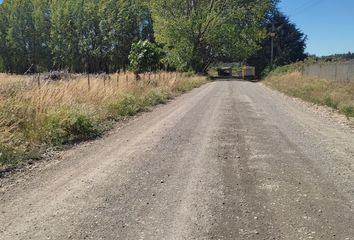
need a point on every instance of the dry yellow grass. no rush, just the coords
(338, 95)
(35, 116)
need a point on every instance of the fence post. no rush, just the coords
(88, 81)
(39, 80)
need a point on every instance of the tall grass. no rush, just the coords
(337, 95)
(34, 117)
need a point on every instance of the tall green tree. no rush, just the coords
(289, 43)
(66, 33)
(41, 17)
(198, 32)
(20, 38)
(4, 54)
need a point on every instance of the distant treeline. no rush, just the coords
(81, 35)
(97, 35)
(335, 57)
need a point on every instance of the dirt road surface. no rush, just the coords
(230, 160)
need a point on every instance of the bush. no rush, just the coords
(144, 56)
(127, 106)
(65, 127)
(9, 156)
(331, 103)
(348, 111)
(157, 97)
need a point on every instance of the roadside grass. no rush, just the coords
(337, 95)
(58, 113)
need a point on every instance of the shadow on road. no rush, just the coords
(234, 79)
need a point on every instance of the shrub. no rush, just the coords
(9, 156)
(328, 101)
(127, 106)
(65, 127)
(144, 56)
(156, 97)
(348, 111)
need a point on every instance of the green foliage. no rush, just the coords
(328, 101)
(297, 66)
(144, 56)
(88, 35)
(289, 44)
(198, 33)
(157, 97)
(9, 156)
(127, 106)
(65, 127)
(93, 35)
(348, 111)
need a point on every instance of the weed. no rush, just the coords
(328, 101)
(66, 127)
(129, 105)
(9, 156)
(348, 111)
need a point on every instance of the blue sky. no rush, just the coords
(329, 24)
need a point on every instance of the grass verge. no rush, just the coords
(33, 118)
(337, 95)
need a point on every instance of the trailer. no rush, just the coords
(248, 73)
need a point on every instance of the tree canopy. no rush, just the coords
(97, 35)
(198, 32)
(289, 43)
(81, 35)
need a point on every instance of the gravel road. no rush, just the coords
(230, 160)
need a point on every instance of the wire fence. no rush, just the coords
(332, 71)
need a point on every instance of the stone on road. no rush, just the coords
(230, 160)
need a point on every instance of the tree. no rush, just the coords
(144, 56)
(97, 35)
(20, 36)
(289, 43)
(4, 54)
(41, 20)
(197, 33)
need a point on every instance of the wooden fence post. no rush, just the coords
(39, 80)
(88, 81)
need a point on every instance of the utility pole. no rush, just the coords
(272, 34)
